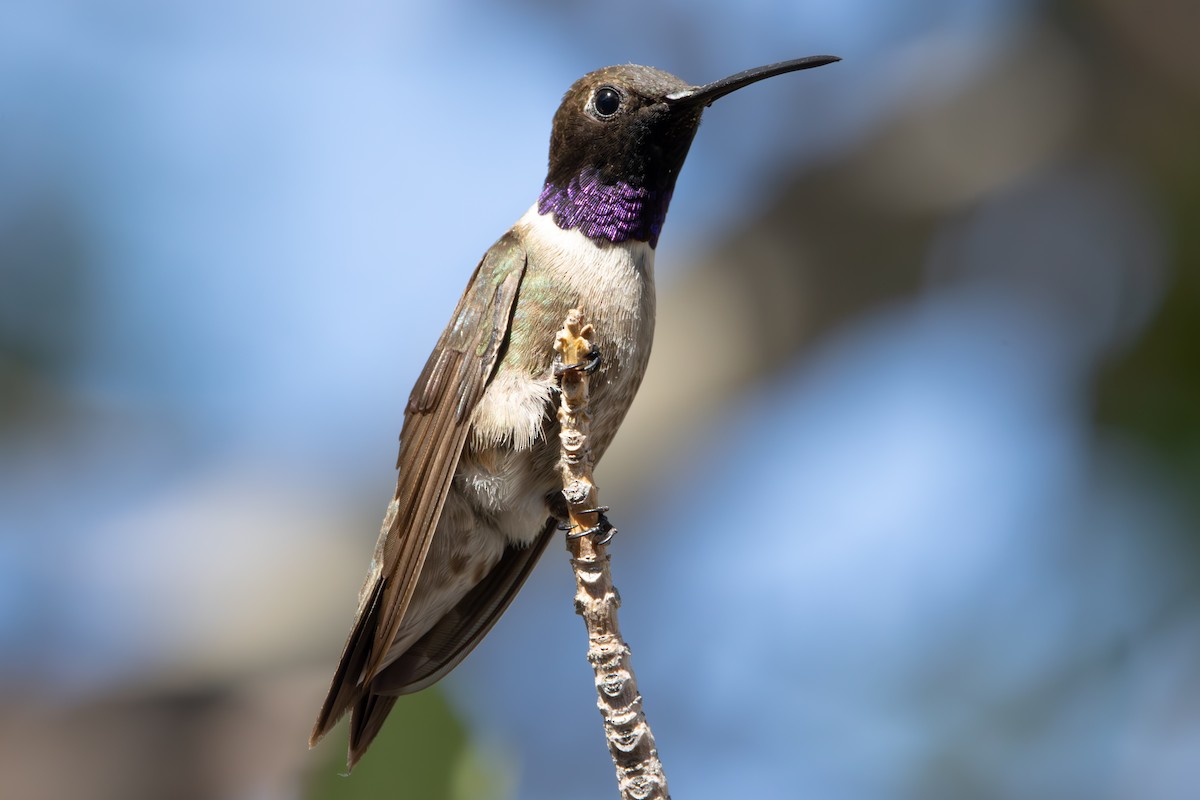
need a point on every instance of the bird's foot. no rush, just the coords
(603, 530)
(588, 365)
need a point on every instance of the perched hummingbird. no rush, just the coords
(478, 495)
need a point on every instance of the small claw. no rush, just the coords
(589, 366)
(603, 527)
(593, 360)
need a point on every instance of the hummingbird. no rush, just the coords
(478, 495)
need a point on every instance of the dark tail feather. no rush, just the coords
(345, 690)
(366, 718)
(428, 659)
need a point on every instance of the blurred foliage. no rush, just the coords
(420, 749)
(43, 306)
(1153, 390)
(43, 294)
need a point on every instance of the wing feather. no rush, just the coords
(436, 426)
(458, 632)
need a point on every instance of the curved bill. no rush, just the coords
(706, 95)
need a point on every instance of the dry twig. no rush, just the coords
(630, 741)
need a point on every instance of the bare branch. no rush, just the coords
(630, 741)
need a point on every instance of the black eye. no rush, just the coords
(607, 101)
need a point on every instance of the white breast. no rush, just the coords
(602, 275)
(613, 285)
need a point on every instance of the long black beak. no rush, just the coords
(707, 95)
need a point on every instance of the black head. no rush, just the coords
(616, 122)
(620, 138)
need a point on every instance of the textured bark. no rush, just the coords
(630, 741)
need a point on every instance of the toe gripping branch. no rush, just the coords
(577, 357)
(603, 530)
(589, 365)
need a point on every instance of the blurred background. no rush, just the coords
(908, 502)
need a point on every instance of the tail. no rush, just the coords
(428, 659)
(346, 689)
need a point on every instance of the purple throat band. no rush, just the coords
(614, 212)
